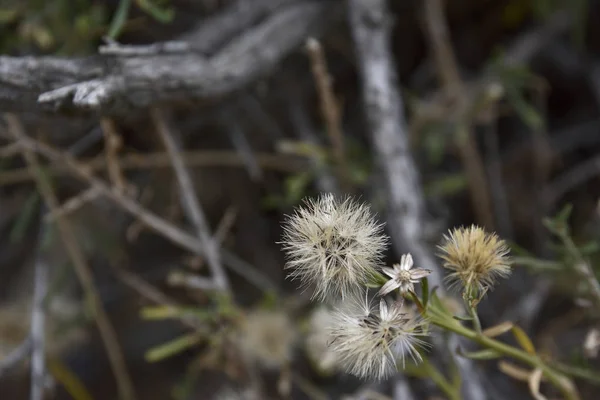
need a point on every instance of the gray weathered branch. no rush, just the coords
(118, 81)
(384, 110)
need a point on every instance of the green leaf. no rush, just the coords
(119, 19)
(447, 185)
(154, 313)
(425, 291)
(486, 354)
(173, 347)
(465, 318)
(589, 248)
(9, 15)
(68, 379)
(538, 264)
(164, 15)
(523, 340)
(436, 303)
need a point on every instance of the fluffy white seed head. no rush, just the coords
(268, 337)
(370, 342)
(318, 351)
(334, 245)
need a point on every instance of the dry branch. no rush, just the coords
(385, 117)
(191, 205)
(117, 84)
(80, 264)
(447, 68)
(194, 158)
(19, 354)
(38, 331)
(156, 223)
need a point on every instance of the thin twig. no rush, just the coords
(38, 336)
(441, 46)
(112, 144)
(72, 205)
(497, 187)
(107, 332)
(199, 158)
(329, 104)
(570, 179)
(303, 127)
(156, 223)
(586, 275)
(20, 353)
(448, 70)
(190, 281)
(244, 149)
(191, 204)
(151, 293)
(9, 150)
(223, 228)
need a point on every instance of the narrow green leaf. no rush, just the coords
(465, 318)
(486, 354)
(68, 379)
(425, 290)
(173, 347)
(163, 15)
(523, 340)
(119, 19)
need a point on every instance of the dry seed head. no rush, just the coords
(369, 342)
(334, 245)
(267, 337)
(475, 258)
(317, 341)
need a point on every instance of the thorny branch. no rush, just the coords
(116, 83)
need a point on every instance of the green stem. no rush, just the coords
(119, 19)
(577, 372)
(474, 317)
(440, 380)
(532, 360)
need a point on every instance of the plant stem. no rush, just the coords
(440, 380)
(555, 377)
(576, 372)
(475, 317)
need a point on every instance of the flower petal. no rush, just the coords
(389, 286)
(419, 273)
(383, 309)
(406, 262)
(389, 272)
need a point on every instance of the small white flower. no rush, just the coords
(402, 276)
(369, 342)
(333, 245)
